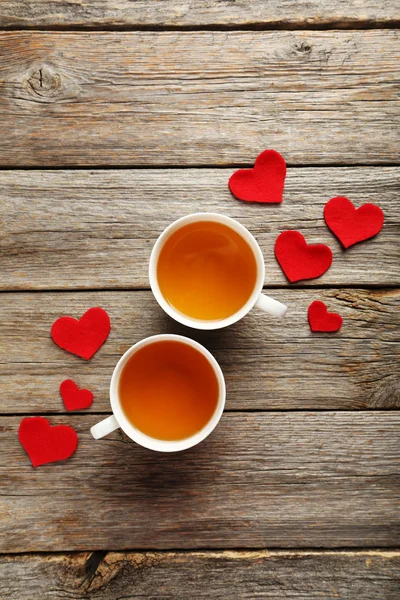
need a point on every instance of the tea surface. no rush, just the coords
(206, 270)
(168, 390)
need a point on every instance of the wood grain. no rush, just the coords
(88, 229)
(260, 480)
(268, 363)
(198, 98)
(294, 575)
(147, 13)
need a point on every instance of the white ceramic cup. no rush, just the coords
(118, 418)
(265, 303)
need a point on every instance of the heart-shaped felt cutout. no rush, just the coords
(83, 337)
(352, 225)
(263, 183)
(322, 320)
(300, 260)
(44, 443)
(73, 397)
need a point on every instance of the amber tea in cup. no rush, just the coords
(168, 390)
(167, 394)
(206, 270)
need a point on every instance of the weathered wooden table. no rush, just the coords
(116, 118)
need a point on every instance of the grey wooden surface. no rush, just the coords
(199, 98)
(268, 363)
(174, 13)
(306, 458)
(95, 229)
(283, 479)
(259, 575)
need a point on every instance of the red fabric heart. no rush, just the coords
(263, 183)
(300, 260)
(322, 320)
(73, 397)
(83, 337)
(352, 225)
(44, 443)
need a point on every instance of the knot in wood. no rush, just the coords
(44, 83)
(303, 48)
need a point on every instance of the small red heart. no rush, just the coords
(352, 225)
(263, 183)
(73, 397)
(82, 337)
(322, 320)
(44, 443)
(300, 260)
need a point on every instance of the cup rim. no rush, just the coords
(153, 443)
(200, 323)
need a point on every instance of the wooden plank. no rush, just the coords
(88, 229)
(198, 98)
(117, 13)
(261, 480)
(268, 364)
(294, 575)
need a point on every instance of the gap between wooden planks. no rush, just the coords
(268, 363)
(197, 98)
(175, 13)
(95, 229)
(260, 575)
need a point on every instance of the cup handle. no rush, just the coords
(271, 306)
(104, 427)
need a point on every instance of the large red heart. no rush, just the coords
(73, 397)
(263, 183)
(44, 443)
(322, 320)
(300, 260)
(350, 224)
(83, 337)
